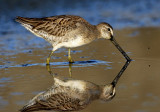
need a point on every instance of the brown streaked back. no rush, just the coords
(55, 25)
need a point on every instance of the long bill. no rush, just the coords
(114, 82)
(120, 49)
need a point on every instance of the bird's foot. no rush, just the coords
(48, 61)
(70, 60)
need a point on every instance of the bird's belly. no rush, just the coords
(74, 43)
(73, 84)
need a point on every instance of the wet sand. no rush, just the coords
(23, 74)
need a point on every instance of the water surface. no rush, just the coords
(22, 55)
(23, 74)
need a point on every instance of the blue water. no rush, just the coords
(87, 63)
(20, 78)
(119, 13)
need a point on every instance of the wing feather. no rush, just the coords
(55, 25)
(54, 100)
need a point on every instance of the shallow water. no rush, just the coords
(22, 55)
(23, 74)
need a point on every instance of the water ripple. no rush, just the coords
(63, 64)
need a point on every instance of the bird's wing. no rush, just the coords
(55, 26)
(61, 101)
(54, 99)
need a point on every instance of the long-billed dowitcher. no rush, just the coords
(68, 31)
(71, 94)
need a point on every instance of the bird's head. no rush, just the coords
(108, 92)
(106, 30)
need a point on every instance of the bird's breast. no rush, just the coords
(74, 42)
(73, 84)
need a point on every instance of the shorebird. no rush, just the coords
(71, 94)
(68, 31)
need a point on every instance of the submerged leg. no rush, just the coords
(69, 56)
(49, 69)
(48, 59)
(70, 69)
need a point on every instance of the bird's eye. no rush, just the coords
(111, 94)
(109, 29)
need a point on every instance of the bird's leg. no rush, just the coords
(48, 59)
(69, 56)
(49, 69)
(70, 69)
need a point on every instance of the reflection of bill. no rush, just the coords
(71, 95)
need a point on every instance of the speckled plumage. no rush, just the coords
(61, 31)
(68, 31)
(69, 95)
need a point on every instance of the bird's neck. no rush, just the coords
(93, 34)
(96, 93)
(101, 96)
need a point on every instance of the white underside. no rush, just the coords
(54, 40)
(71, 44)
(75, 84)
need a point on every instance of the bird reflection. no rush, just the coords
(71, 94)
(48, 67)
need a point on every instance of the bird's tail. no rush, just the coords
(29, 21)
(29, 108)
(22, 20)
